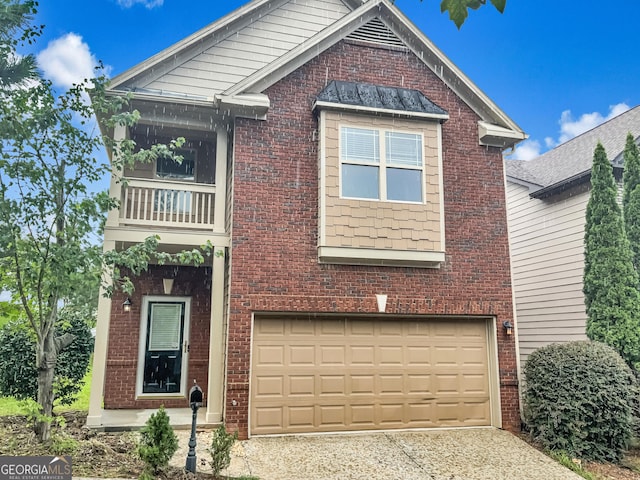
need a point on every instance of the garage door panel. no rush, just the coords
(301, 416)
(302, 355)
(348, 374)
(270, 387)
(301, 385)
(332, 385)
(362, 384)
(363, 355)
(332, 355)
(270, 355)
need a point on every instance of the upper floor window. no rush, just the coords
(378, 164)
(168, 168)
(175, 201)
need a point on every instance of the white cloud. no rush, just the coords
(147, 3)
(526, 150)
(67, 60)
(570, 128)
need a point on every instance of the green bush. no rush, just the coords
(18, 373)
(220, 450)
(578, 399)
(158, 443)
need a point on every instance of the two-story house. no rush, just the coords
(352, 176)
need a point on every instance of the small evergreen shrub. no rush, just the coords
(158, 443)
(578, 399)
(220, 450)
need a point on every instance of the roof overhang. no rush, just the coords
(495, 136)
(564, 185)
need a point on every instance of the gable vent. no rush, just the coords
(376, 32)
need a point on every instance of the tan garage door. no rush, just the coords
(330, 374)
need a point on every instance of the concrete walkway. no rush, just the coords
(467, 454)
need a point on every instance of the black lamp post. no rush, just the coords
(195, 402)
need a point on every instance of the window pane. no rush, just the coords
(360, 145)
(404, 149)
(404, 185)
(169, 168)
(360, 181)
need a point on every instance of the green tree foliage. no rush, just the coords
(158, 443)
(458, 9)
(578, 399)
(631, 197)
(610, 281)
(16, 29)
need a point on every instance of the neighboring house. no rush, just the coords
(353, 178)
(547, 198)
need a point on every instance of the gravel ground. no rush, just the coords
(469, 454)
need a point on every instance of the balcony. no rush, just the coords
(168, 204)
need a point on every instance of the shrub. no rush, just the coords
(158, 443)
(18, 373)
(220, 450)
(578, 399)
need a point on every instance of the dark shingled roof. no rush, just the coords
(572, 160)
(376, 96)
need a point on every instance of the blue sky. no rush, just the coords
(556, 68)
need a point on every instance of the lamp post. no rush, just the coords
(195, 402)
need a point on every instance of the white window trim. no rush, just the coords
(382, 165)
(142, 345)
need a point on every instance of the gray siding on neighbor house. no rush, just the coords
(547, 255)
(241, 54)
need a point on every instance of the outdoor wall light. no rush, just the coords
(508, 327)
(126, 305)
(167, 285)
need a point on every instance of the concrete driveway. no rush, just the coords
(469, 454)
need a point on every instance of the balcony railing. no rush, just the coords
(164, 203)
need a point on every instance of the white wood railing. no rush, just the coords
(166, 203)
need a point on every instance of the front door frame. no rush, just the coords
(142, 345)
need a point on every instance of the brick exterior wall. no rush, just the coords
(275, 222)
(124, 334)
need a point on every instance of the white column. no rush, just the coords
(215, 395)
(219, 214)
(94, 418)
(115, 189)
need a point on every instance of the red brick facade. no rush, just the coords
(124, 334)
(275, 221)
